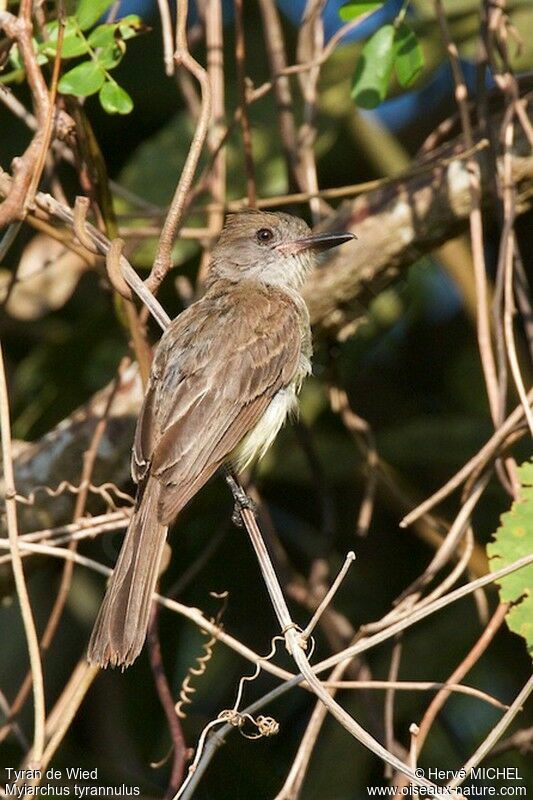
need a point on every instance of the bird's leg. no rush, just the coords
(240, 497)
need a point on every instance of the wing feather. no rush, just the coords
(216, 369)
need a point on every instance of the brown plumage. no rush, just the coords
(224, 376)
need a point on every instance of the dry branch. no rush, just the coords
(397, 224)
(60, 452)
(19, 29)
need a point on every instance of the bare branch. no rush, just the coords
(182, 57)
(18, 572)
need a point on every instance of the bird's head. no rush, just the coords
(272, 247)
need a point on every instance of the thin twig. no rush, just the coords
(273, 33)
(495, 734)
(167, 35)
(100, 243)
(217, 739)
(414, 730)
(418, 614)
(295, 644)
(192, 614)
(18, 572)
(328, 597)
(179, 746)
(458, 570)
(182, 57)
(461, 670)
(46, 133)
(15, 728)
(481, 459)
(453, 537)
(521, 740)
(417, 686)
(364, 436)
(89, 526)
(240, 59)
(476, 222)
(496, 44)
(508, 263)
(310, 45)
(298, 69)
(71, 699)
(114, 271)
(352, 190)
(388, 711)
(214, 175)
(20, 29)
(292, 787)
(89, 459)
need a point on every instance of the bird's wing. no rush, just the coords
(215, 373)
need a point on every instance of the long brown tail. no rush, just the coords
(120, 628)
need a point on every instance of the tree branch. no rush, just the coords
(395, 225)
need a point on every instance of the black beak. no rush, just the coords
(317, 241)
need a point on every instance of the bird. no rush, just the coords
(225, 375)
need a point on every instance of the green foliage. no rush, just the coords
(104, 45)
(374, 69)
(353, 10)
(392, 47)
(102, 36)
(83, 80)
(88, 12)
(74, 42)
(512, 541)
(409, 58)
(115, 99)
(106, 48)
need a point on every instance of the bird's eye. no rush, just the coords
(264, 235)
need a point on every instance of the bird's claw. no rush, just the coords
(242, 502)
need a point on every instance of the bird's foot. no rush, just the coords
(242, 501)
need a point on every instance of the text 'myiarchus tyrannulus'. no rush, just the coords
(224, 377)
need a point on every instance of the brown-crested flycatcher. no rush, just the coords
(224, 377)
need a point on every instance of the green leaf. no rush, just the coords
(374, 69)
(103, 35)
(83, 80)
(14, 76)
(354, 10)
(114, 99)
(109, 57)
(512, 541)
(133, 20)
(72, 46)
(15, 59)
(88, 12)
(129, 26)
(108, 34)
(74, 42)
(409, 60)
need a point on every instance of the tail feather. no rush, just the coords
(120, 628)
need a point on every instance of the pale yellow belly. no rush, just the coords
(255, 444)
